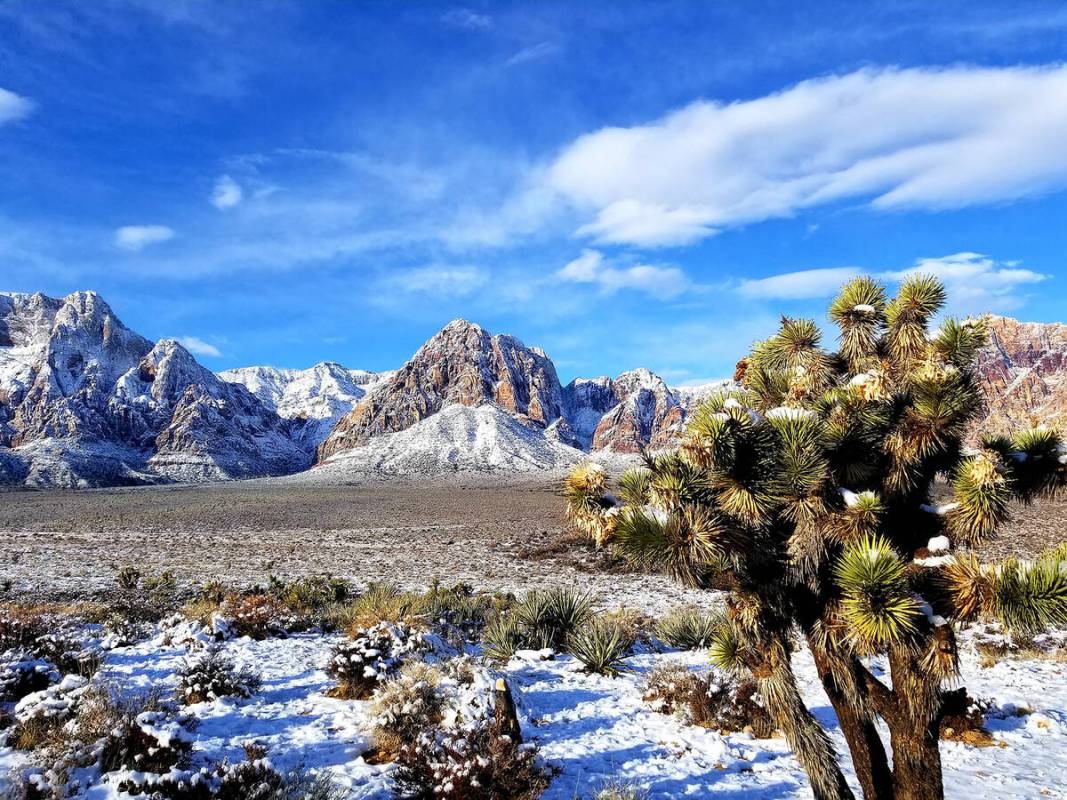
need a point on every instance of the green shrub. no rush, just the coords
(689, 628)
(600, 645)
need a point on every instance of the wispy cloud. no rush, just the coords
(465, 18)
(136, 237)
(227, 193)
(198, 347)
(439, 280)
(975, 283)
(593, 268)
(913, 138)
(13, 107)
(534, 52)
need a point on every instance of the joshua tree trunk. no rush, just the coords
(914, 721)
(847, 694)
(805, 735)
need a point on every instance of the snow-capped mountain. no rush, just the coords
(85, 401)
(314, 399)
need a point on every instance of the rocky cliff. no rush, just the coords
(1023, 372)
(460, 365)
(85, 401)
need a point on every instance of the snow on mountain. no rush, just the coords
(459, 438)
(462, 364)
(85, 401)
(314, 399)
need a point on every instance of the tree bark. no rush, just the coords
(914, 727)
(811, 744)
(847, 692)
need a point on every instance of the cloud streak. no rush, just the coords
(892, 138)
(975, 282)
(13, 107)
(226, 194)
(137, 237)
(592, 267)
(198, 347)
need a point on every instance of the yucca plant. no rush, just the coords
(807, 494)
(689, 628)
(600, 645)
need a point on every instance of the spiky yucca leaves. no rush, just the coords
(859, 312)
(878, 603)
(634, 486)
(601, 645)
(982, 496)
(907, 317)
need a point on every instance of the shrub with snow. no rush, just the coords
(257, 615)
(405, 706)
(359, 664)
(209, 675)
(708, 700)
(22, 673)
(476, 762)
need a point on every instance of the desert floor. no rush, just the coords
(494, 535)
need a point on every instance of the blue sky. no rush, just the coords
(620, 183)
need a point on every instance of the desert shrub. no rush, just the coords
(22, 673)
(209, 675)
(70, 656)
(501, 638)
(311, 594)
(382, 602)
(963, 719)
(600, 645)
(474, 763)
(689, 628)
(404, 706)
(39, 716)
(636, 625)
(549, 617)
(710, 701)
(359, 664)
(20, 626)
(257, 616)
(128, 578)
(146, 597)
(621, 790)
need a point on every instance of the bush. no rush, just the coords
(405, 706)
(702, 699)
(210, 675)
(20, 626)
(689, 628)
(22, 673)
(476, 763)
(600, 645)
(548, 618)
(621, 790)
(502, 638)
(368, 658)
(257, 616)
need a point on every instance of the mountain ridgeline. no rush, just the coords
(85, 401)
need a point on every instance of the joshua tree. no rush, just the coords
(807, 496)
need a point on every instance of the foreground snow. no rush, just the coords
(592, 728)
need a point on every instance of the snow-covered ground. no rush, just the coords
(591, 728)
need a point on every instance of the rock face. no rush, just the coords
(460, 365)
(312, 399)
(85, 401)
(1023, 372)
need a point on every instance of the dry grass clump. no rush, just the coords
(209, 675)
(707, 700)
(621, 790)
(475, 761)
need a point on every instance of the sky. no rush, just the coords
(620, 183)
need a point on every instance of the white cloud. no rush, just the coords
(593, 268)
(534, 52)
(199, 347)
(135, 237)
(227, 193)
(916, 138)
(441, 280)
(975, 283)
(465, 18)
(13, 107)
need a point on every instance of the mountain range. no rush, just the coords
(85, 401)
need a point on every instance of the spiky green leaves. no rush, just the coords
(958, 343)
(877, 603)
(907, 315)
(859, 312)
(982, 494)
(687, 545)
(1036, 463)
(726, 649)
(1032, 596)
(634, 486)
